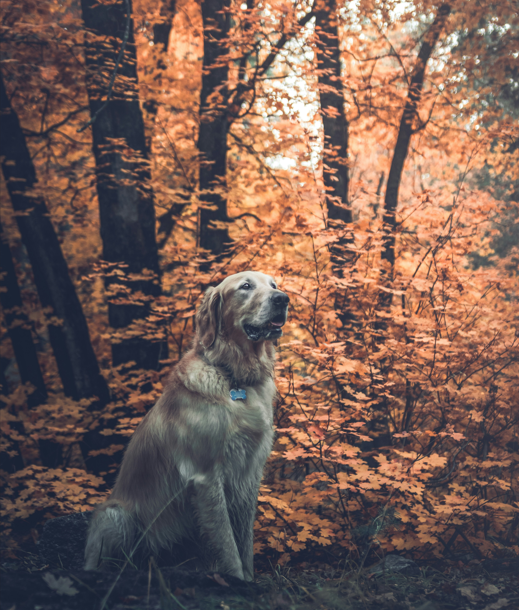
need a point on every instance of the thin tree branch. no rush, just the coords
(251, 150)
(245, 86)
(246, 214)
(282, 42)
(167, 220)
(41, 134)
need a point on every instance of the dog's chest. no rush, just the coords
(250, 439)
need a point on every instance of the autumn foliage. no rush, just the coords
(398, 373)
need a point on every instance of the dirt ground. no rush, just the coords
(29, 584)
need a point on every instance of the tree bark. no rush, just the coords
(126, 202)
(162, 30)
(70, 340)
(19, 327)
(214, 127)
(405, 131)
(161, 33)
(19, 330)
(335, 150)
(335, 124)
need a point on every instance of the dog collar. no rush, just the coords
(235, 392)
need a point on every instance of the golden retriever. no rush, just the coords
(192, 470)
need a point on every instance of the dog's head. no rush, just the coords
(245, 307)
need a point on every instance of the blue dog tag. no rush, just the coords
(238, 395)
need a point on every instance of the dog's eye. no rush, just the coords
(274, 286)
(245, 286)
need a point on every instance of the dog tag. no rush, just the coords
(238, 395)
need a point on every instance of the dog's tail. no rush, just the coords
(111, 534)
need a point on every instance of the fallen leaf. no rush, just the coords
(386, 597)
(469, 593)
(220, 580)
(130, 599)
(62, 585)
(501, 603)
(489, 589)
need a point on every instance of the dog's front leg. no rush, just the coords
(215, 524)
(243, 513)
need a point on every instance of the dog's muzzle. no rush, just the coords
(272, 328)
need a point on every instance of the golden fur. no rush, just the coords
(192, 470)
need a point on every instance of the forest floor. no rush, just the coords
(28, 584)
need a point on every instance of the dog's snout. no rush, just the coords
(280, 299)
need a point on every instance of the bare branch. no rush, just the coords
(43, 133)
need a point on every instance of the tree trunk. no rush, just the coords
(335, 151)
(19, 327)
(126, 203)
(335, 125)
(162, 30)
(405, 132)
(161, 33)
(19, 331)
(214, 127)
(70, 340)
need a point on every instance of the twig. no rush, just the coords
(282, 519)
(245, 86)
(149, 583)
(165, 592)
(45, 132)
(440, 481)
(246, 214)
(269, 60)
(447, 546)
(110, 590)
(45, 109)
(177, 158)
(250, 149)
(116, 67)
(84, 585)
(474, 549)
(393, 50)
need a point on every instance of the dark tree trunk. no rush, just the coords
(162, 29)
(126, 203)
(335, 152)
(77, 363)
(19, 327)
(214, 127)
(161, 33)
(335, 124)
(405, 132)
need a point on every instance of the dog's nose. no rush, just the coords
(280, 299)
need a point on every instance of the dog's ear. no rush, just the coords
(208, 318)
